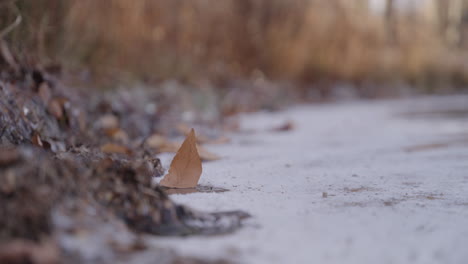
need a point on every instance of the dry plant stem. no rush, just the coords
(4, 49)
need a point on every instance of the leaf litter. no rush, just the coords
(76, 169)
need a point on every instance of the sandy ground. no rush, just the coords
(359, 182)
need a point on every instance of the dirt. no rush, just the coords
(414, 197)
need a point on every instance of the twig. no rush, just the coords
(15, 23)
(4, 49)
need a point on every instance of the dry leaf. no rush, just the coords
(44, 93)
(120, 136)
(115, 148)
(22, 251)
(108, 121)
(220, 140)
(287, 126)
(204, 154)
(161, 144)
(186, 167)
(185, 130)
(231, 124)
(156, 141)
(171, 147)
(117, 134)
(81, 120)
(9, 156)
(36, 140)
(202, 139)
(426, 147)
(55, 108)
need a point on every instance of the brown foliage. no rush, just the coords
(302, 40)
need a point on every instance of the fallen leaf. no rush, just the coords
(156, 141)
(8, 156)
(36, 140)
(206, 155)
(115, 148)
(55, 108)
(81, 120)
(22, 251)
(186, 167)
(220, 140)
(287, 126)
(185, 130)
(108, 121)
(170, 147)
(202, 139)
(424, 147)
(44, 93)
(231, 124)
(117, 134)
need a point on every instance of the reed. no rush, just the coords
(297, 40)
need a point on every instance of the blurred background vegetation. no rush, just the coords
(314, 44)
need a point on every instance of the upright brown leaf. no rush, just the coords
(186, 167)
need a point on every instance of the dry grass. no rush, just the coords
(300, 40)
